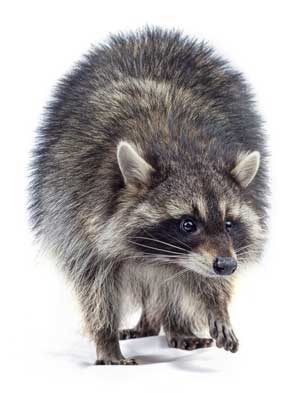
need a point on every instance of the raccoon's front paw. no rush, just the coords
(188, 343)
(223, 333)
(118, 362)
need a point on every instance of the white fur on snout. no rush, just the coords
(200, 264)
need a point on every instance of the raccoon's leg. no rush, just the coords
(216, 301)
(148, 325)
(101, 308)
(179, 333)
(108, 349)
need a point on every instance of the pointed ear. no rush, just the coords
(135, 170)
(246, 168)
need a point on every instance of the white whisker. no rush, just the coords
(243, 248)
(159, 241)
(180, 241)
(154, 248)
(171, 237)
(176, 275)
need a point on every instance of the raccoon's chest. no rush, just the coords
(160, 293)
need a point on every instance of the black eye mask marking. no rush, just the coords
(175, 237)
(167, 238)
(239, 233)
(231, 225)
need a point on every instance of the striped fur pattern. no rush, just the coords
(146, 133)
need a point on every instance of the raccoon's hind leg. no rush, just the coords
(147, 326)
(100, 303)
(179, 333)
(149, 323)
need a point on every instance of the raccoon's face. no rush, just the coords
(200, 221)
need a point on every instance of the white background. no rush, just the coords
(42, 348)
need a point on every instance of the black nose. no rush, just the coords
(224, 265)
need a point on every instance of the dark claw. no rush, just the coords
(214, 330)
(173, 343)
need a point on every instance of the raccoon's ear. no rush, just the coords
(135, 170)
(246, 168)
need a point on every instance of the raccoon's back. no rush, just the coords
(166, 58)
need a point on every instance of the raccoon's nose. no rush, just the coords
(224, 265)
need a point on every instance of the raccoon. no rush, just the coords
(149, 184)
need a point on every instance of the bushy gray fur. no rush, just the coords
(145, 134)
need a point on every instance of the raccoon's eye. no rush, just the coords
(188, 225)
(228, 225)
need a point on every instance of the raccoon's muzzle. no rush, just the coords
(224, 266)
